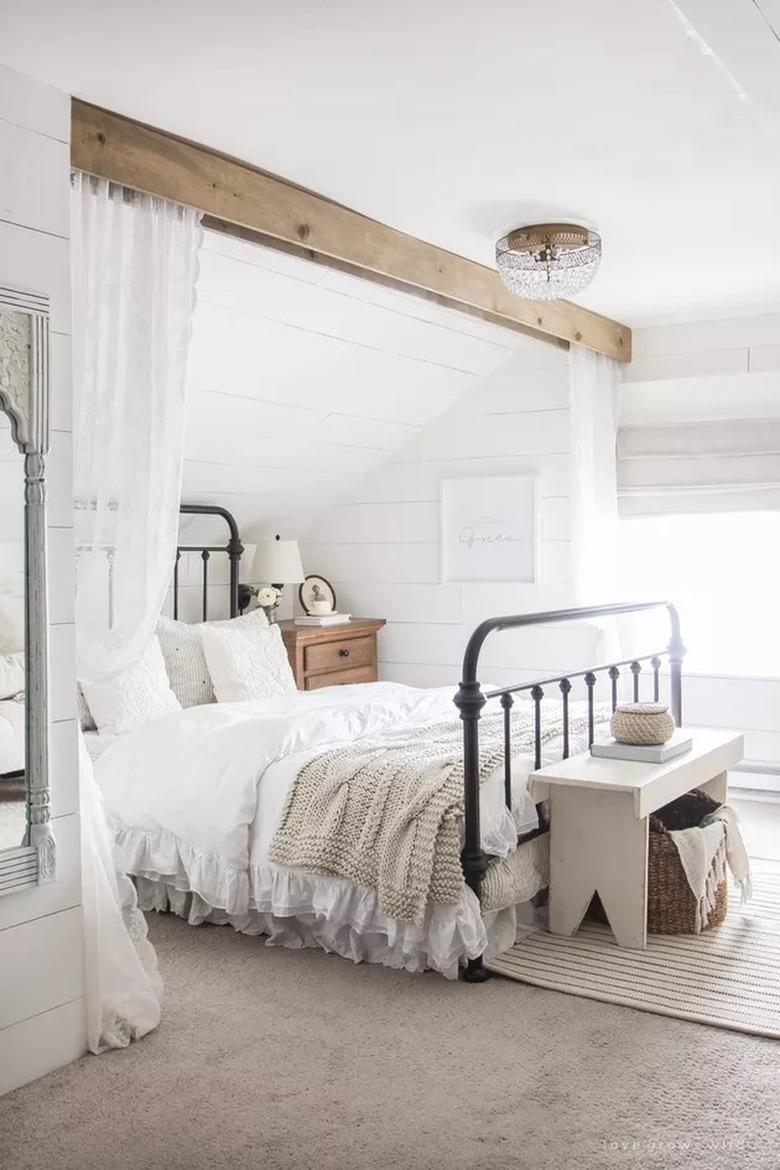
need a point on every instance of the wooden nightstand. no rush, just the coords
(331, 656)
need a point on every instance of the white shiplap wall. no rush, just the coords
(303, 380)
(381, 549)
(705, 369)
(41, 1003)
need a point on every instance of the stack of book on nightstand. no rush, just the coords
(327, 619)
(612, 749)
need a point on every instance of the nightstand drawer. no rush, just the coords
(322, 656)
(340, 678)
(346, 654)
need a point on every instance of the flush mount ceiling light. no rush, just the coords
(548, 260)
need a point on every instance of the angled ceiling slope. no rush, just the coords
(302, 380)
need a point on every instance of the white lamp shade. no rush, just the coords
(278, 562)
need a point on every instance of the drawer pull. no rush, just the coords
(344, 653)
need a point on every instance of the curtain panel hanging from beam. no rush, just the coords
(135, 263)
(134, 268)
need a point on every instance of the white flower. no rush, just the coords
(267, 596)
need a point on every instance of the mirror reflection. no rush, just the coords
(12, 659)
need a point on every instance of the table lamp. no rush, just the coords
(278, 563)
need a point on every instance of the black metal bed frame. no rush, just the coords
(234, 550)
(470, 699)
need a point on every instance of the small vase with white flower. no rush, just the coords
(268, 601)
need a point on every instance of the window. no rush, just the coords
(723, 573)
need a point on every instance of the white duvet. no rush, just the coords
(195, 798)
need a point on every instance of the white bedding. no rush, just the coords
(96, 743)
(195, 798)
(11, 736)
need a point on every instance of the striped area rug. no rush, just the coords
(728, 977)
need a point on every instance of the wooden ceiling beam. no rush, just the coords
(235, 193)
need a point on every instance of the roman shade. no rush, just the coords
(688, 455)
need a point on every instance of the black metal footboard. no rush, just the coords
(470, 699)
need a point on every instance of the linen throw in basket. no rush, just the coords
(691, 841)
(386, 813)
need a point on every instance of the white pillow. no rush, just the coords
(11, 623)
(246, 662)
(11, 674)
(136, 696)
(184, 659)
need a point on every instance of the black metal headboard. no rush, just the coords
(233, 550)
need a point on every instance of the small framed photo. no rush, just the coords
(317, 596)
(489, 529)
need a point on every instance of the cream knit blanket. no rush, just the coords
(386, 813)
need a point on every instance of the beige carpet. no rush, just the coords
(283, 1060)
(728, 977)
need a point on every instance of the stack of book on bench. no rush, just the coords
(612, 749)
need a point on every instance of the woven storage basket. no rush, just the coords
(671, 905)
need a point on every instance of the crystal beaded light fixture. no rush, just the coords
(548, 260)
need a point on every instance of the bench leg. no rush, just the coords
(598, 845)
(717, 788)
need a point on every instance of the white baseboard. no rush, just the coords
(755, 775)
(37, 1046)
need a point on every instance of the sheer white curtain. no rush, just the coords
(122, 985)
(593, 381)
(593, 390)
(134, 260)
(135, 266)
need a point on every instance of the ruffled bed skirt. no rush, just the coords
(296, 908)
(443, 944)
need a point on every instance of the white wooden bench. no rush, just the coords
(599, 827)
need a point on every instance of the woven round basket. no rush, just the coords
(671, 905)
(643, 723)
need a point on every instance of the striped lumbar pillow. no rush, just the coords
(185, 662)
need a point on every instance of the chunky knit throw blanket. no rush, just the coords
(386, 813)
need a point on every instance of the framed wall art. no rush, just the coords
(489, 529)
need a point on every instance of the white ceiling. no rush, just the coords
(455, 121)
(302, 380)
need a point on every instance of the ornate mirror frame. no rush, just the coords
(24, 397)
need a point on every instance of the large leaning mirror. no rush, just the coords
(27, 854)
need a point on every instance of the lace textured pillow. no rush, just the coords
(136, 696)
(246, 662)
